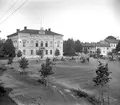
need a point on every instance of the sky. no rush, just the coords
(86, 20)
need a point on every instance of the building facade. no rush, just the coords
(92, 48)
(29, 41)
(89, 47)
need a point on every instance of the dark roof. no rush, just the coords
(14, 34)
(102, 45)
(32, 31)
(88, 44)
(111, 41)
(95, 44)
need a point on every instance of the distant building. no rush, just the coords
(112, 42)
(29, 41)
(90, 47)
(104, 48)
(106, 45)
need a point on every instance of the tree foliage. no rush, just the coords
(85, 50)
(57, 52)
(118, 47)
(1, 47)
(10, 60)
(111, 37)
(102, 75)
(19, 53)
(40, 52)
(8, 48)
(102, 78)
(46, 68)
(78, 46)
(23, 63)
(98, 52)
(70, 47)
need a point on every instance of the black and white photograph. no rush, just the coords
(59, 52)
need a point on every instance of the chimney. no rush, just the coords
(25, 27)
(18, 30)
(49, 29)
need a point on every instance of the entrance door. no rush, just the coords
(42, 53)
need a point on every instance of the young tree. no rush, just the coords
(40, 53)
(9, 48)
(19, 53)
(57, 52)
(23, 64)
(98, 52)
(102, 78)
(46, 70)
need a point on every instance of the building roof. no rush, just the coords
(88, 44)
(112, 40)
(32, 31)
(102, 45)
(99, 44)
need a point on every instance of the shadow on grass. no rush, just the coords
(89, 98)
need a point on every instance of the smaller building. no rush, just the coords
(112, 42)
(89, 47)
(104, 48)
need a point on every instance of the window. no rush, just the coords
(46, 44)
(36, 43)
(24, 43)
(50, 43)
(24, 52)
(51, 52)
(46, 52)
(31, 52)
(41, 43)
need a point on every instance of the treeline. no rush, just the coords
(71, 47)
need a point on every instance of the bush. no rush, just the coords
(10, 61)
(83, 60)
(62, 59)
(19, 53)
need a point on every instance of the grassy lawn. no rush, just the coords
(70, 74)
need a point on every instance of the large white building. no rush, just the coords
(29, 41)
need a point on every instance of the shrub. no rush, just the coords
(10, 61)
(19, 53)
